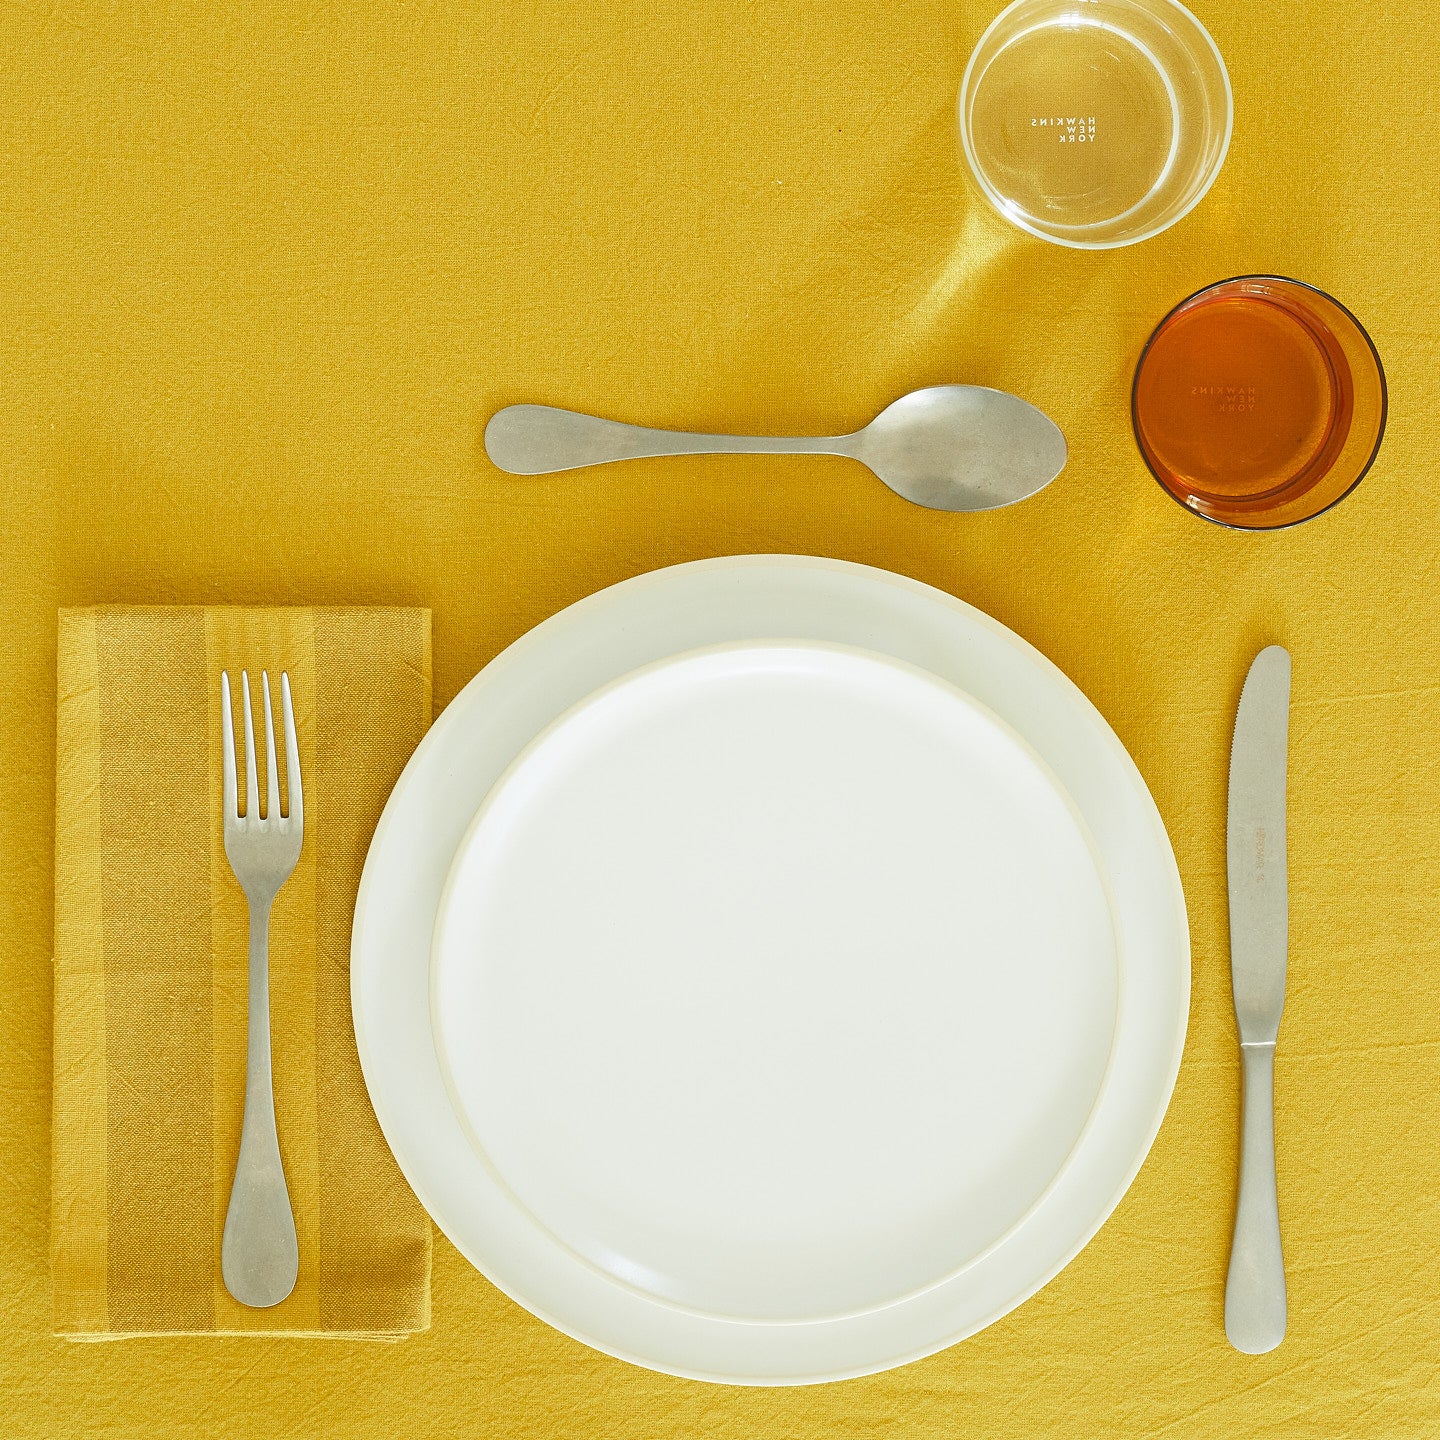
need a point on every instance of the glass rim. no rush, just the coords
(1379, 371)
(1003, 207)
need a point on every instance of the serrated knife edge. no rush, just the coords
(1256, 847)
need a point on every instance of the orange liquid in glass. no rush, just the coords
(1245, 401)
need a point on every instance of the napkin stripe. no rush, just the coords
(229, 979)
(301, 1048)
(159, 1162)
(78, 1236)
(367, 1282)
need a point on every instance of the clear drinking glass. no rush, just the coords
(1095, 123)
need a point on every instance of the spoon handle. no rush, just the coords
(539, 439)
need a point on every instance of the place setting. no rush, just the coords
(769, 969)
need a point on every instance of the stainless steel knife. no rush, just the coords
(1259, 935)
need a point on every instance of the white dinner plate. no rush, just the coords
(543, 1256)
(777, 982)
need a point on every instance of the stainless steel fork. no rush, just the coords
(259, 1256)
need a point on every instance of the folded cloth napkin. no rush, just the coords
(151, 972)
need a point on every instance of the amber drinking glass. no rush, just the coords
(1259, 402)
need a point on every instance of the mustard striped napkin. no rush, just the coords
(150, 973)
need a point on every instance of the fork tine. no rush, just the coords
(229, 804)
(272, 775)
(292, 753)
(252, 784)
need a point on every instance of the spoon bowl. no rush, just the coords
(962, 447)
(948, 447)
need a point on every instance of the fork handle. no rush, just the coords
(259, 1255)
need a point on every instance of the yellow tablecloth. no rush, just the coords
(265, 270)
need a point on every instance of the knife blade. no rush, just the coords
(1255, 1302)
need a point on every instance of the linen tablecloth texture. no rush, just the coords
(151, 972)
(266, 271)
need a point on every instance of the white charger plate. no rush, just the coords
(502, 711)
(777, 982)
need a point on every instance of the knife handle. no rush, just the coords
(1255, 1287)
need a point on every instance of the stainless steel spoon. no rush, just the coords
(951, 447)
